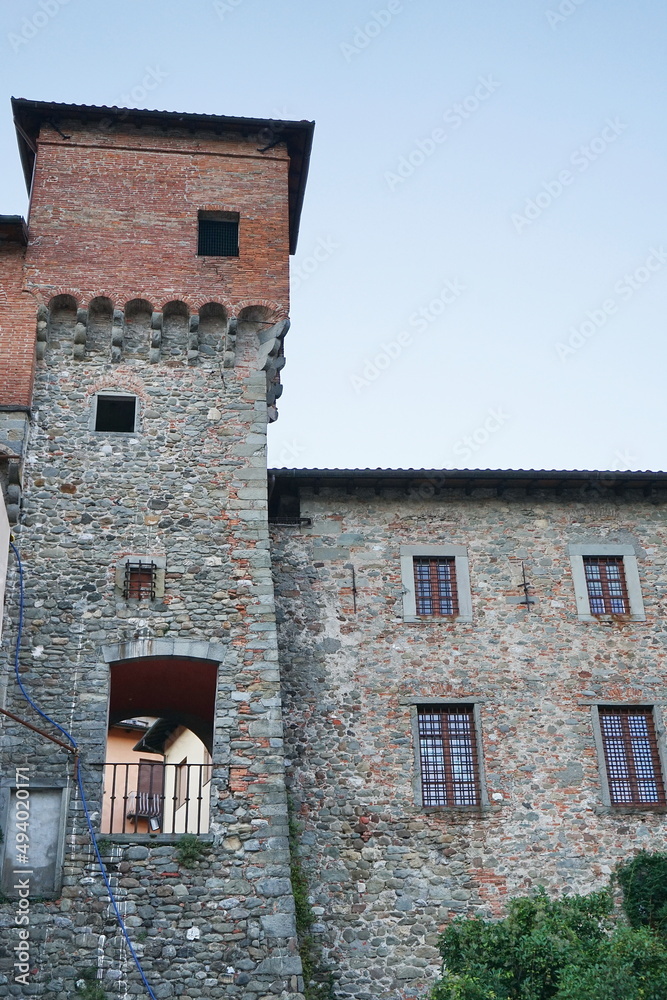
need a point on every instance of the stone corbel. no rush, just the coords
(117, 335)
(156, 338)
(80, 335)
(193, 340)
(271, 360)
(42, 332)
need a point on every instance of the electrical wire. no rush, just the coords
(84, 802)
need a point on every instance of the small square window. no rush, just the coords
(140, 579)
(218, 234)
(116, 413)
(631, 757)
(448, 755)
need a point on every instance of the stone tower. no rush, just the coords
(154, 270)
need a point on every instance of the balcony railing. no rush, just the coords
(153, 797)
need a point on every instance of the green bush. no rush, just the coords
(575, 948)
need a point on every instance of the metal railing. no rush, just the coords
(153, 797)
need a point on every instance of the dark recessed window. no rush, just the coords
(116, 413)
(218, 234)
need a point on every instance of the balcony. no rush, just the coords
(153, 797)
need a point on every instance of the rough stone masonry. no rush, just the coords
(125, 311)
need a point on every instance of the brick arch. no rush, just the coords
(277, 309)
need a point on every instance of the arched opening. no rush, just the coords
(62, 318)
(158, 762)
(175, 328)
(212, 327)
(138, 314)
(100, 320)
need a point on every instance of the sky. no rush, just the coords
(481, 276)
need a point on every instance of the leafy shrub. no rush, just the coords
(575, 948)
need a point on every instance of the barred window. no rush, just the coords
(218, 234)
(435, 586)
(139, 583)
(631, 756)
(448, 755)
(605, 580)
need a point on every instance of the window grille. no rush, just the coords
(607, 590)
(631, 756)
(435, 586)
(139, 583)
(218, 238)
(448, 755)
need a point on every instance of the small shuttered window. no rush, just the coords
(631, 755)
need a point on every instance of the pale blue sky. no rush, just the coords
(478, 380)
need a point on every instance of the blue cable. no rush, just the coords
(84, 802)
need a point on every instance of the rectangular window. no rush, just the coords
(631, 756)
(116, 413)
(139, 581)
(435, 586)
(605, 581)
(448, 758)
(218, 234)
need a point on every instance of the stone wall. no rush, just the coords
(386, 875)
(189, 486)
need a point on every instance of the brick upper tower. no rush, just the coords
(142, 317)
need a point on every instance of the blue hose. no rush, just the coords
(84, 802)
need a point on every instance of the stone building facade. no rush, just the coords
(143, 315)
(361, 670)
(415, 660)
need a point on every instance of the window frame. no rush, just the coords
(577, 553)
(659, 728)
(115, 394)
(417, 788)
(160, 563)
(408, 553)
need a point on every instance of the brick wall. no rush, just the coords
(386, 875)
